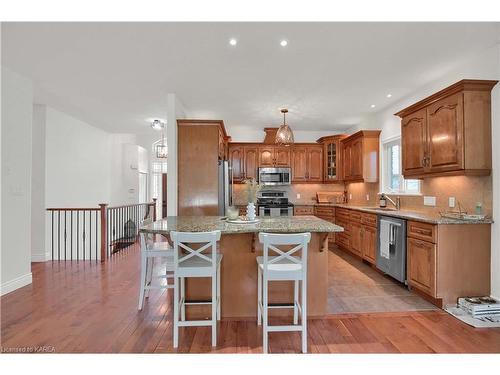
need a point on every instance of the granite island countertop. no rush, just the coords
(289, 224)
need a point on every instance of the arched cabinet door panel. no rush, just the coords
(414, 143)
(445, 128)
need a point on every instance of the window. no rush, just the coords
(393, 181)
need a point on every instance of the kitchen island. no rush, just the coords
(240, 246)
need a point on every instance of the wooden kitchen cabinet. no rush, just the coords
(422, 265)
(282, 156)
(445, 126)
(326, 213)
(369, 237)
(307, 163)
(274, 156)
(369, 243)
(299, 164)
(361, 156)
(236, 162)
(199, 148)
(251, 159)
(315, 164)
(413, 143)
(303, 210)
(448, 261)
(266, 156)
(332, 158)
(355, 238)
(449, 133)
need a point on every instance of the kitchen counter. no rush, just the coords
(289, 224)
(414, 215)
(425, 217)
(240, 246)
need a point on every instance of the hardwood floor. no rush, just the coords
(92, 308)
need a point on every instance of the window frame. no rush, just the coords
(386, 170)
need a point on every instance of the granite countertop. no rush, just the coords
(290, 224)
(430, 218)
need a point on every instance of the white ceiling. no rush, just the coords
(117, 75)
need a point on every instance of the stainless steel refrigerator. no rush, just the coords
(225, 187)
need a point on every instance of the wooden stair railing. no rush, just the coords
(95, 233)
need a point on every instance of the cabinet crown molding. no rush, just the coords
(463, 85)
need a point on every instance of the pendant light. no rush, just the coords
(161, 149)
(284, 135)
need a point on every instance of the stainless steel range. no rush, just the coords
(273, 203)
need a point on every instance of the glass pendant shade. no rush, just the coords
(284, 135)
(161, 149)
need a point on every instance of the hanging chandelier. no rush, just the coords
(161, 149)
(284, 135)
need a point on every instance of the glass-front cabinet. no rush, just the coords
(332, 158)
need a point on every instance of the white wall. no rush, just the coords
(77, 162)
(483, 66)
(16, 118)
(119, 189)
(38, 185)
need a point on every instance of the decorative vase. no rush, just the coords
(251, 211)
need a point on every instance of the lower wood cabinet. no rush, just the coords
(328, 214)
(422, 265)
(360, 233)
(303, 210)
(369, 241)
(356, 238)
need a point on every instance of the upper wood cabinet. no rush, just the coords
(251, 161)
(299, 164)
(449, 133)
(274, 156)
(307, 163)
(361, 156)
(413, 142)
(332, 158)
(236, 162)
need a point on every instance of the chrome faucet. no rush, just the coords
(396, 204)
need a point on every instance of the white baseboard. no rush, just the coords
(18, 282)
(40, 257)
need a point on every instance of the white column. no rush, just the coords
(175, 110)
(38, 214)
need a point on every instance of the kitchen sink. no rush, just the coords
(379, 208)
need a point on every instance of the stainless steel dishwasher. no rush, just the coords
(391, 247)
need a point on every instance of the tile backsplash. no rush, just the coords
(468, 190)
(307, 192)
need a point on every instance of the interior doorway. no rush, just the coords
(163, 195)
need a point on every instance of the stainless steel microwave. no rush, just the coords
(275, 176)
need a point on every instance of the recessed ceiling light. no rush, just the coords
(284, 43)
(373, 106)
(233, 42)
(389, 95)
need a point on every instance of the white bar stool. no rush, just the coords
(203, 261)
(149, 251)
(283, 267)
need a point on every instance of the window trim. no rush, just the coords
(384, 176)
